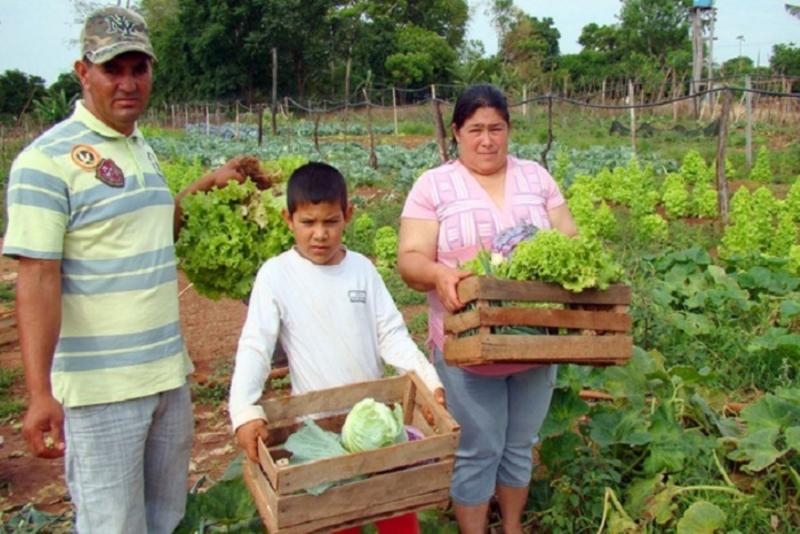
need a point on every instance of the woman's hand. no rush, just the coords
(447, 280)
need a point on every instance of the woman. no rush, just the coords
(450, 214)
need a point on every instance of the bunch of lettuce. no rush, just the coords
(574, 263)
(372, 425)
(227, 234)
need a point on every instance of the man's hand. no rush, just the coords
(247, 437)
(440, 398)
(43, 427)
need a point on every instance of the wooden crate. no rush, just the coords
(398, 479)
(597, 322)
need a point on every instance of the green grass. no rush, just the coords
(7, 292)
(10, 404)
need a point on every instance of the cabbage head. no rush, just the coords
(372, 425)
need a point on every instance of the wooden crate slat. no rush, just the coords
(490, 288)
(333, 399)
(422, 468)
(600, 350)
(362, 496)
(511, 316)
(262, 496)
(436, 499)
(442, 420)
(463, 321)
(302, 476)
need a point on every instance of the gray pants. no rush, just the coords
(127, 463)
(500, 417)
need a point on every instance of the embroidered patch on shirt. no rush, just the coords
(85, 157)
(357, 295)
(109, 173)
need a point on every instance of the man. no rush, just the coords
(92, 222)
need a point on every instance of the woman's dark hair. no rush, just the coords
(314, 183)
(478, 96)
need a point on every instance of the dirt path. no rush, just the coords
(211, 329)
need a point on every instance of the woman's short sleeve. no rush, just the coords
(419, 202)
(552, 195)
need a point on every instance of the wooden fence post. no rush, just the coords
(260, 124)
(237, 120)
(543, 156)
(316, 131)
(208, 122)
(373, 158)
(722, 181)
(632, 103)
(274, 103)
(748, 131)
(394, 109)
(525, 100)
(440, 133)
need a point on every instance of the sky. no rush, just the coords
(40, 36)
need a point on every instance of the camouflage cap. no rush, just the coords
(111, 31)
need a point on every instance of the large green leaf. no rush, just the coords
(777, 282)
(557, 451)
(610, 426)
(701, 517)
(565, 408)
(670, 444)
(640, 490)
(758, 449)
(771, 411)
(793, 438)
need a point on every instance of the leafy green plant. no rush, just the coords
(574, 263)
(694, 169)
(675, 196)
(651, 228)
(704, 201)
(180, 172)
(385, 247)
(227, 235)
(362, 235)
(761, 171)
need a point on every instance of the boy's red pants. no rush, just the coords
(402, 524)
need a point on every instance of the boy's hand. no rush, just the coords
(247, 437)
(439, 397)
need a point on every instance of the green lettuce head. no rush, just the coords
(372, 425)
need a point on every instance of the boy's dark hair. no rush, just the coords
(313, 183)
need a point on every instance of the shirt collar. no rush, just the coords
(85, 116)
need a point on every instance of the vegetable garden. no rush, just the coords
(698, 432)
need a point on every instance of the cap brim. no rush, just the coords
(110, 52)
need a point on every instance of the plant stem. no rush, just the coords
(722, 471)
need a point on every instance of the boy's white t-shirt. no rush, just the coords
(335, 322)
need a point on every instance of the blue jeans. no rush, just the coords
(127, 463)
(500, 418)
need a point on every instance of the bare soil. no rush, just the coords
(211, 330)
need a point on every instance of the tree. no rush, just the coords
(654, 28)
(785, 59)
(18, 92)
(531, 45)
(737, 66)
(67, 82)
(422, 57)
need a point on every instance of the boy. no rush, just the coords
(330, 310)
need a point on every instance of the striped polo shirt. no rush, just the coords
(96, 200)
